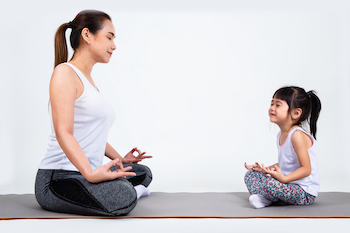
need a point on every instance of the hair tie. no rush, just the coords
(70, 24)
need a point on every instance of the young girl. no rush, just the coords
(295, 178)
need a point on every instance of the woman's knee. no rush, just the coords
(73, 194)
(143, 175)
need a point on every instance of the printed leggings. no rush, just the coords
(273, 190)
(69, 192)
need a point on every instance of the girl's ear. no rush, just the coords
(86, 35)
(296, 113)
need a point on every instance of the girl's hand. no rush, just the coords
(275, 172)
(255, 167)
(103, 173)
(131, 158)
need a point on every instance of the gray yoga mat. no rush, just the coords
(192, 205)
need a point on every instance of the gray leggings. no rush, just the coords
(69, 192)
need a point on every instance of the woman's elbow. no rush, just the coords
(62, 134)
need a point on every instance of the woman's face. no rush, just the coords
(102, 43)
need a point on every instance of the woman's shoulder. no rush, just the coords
(64, 76)
(63, 72)
(63, 68)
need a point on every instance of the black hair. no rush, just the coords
(90, 19)
(308, 102)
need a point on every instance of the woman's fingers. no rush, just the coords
(142, 156)
(125, 169)
(122, 174)
(128, 173)
(111, 163)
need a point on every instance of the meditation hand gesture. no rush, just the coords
(131, 158)
(275, 172)
(103, 173)
(255, 167)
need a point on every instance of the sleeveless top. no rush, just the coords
(93, 117)
(288, 162)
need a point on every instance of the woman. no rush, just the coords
(71, 177)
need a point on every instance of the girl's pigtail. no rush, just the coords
(61, 50)
(315, 112)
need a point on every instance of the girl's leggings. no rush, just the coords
(273, 190)
(69, 192)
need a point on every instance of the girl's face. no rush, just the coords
(102, 43)
(279, 111)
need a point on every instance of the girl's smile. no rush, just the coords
(278, 111)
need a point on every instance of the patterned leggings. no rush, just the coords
(273, 190)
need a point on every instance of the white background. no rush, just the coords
(191, 82)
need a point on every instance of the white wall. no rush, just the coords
(191, 82)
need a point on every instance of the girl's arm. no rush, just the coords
(65, 87)
(301, 143)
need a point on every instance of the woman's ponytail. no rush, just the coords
(315, 112)
(90, 19)
(61, 50)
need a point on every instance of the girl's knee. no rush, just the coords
(249, 175)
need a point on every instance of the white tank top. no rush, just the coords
(288, 162)
(93, 117)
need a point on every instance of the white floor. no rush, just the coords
(176, 225)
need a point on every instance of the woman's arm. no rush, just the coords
(301, 143)
(112, 153)
(65, 87)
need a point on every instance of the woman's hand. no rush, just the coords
(131, 158)
(275, 172)
(103, 173)
(255, 167)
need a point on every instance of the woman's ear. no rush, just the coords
(86, 35)
(296, 113)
